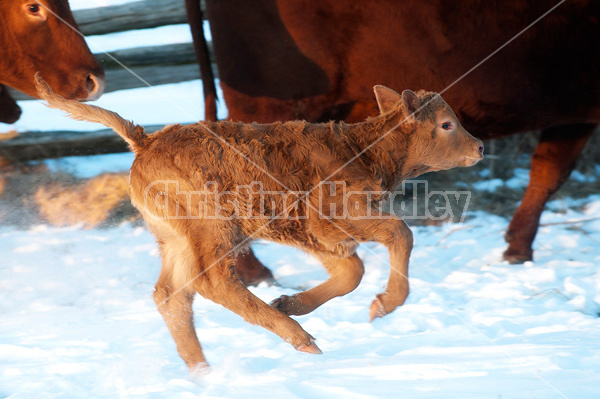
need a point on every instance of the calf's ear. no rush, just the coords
(412, 104)
(386, 98)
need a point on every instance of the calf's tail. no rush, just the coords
(133, 134)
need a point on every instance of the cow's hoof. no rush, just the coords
(251, 272)
(311, 348)
(377, 309)
(263, 275)
(516, 257)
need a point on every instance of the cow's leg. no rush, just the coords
(250, 270)
(220, 283)
(346, 274)
(551, 164)
(391, 232)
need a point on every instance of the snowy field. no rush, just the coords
(77, 318)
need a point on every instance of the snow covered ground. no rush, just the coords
(77, 319)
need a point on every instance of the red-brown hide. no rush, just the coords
(303, 59)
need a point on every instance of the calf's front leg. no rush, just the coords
(346, 274)
(399, 241)
(390, 231)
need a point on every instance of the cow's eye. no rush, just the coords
(447, 125)
(36, 11)
(33, 8)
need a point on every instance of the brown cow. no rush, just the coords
(39, 35)
(196, 185)
(10, 112)
(310, 60)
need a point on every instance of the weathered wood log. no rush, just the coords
(168, 54)
(32, 146)
(121, 79)
(136, 15)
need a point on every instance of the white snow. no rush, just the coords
(78, 320)
(140, 38)
(519, 181)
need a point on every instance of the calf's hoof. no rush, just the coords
(515, 256)
(289, 305)
(200, 370)
(385, 303)
(377, 309)
(311, 348)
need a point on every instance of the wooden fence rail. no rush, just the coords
(130, 16)
(33, 146)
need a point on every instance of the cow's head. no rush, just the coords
(40, 35)
(10, 112)
(438, 141)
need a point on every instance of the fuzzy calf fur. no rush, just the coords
(175, 168)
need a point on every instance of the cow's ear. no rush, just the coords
(386, 98)
(412, 104)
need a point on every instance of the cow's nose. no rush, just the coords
(16, 114)
(95, 86)
(481, 149)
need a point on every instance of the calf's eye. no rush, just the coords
(34, 8)
(447, 125)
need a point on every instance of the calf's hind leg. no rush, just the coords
(220, 283)
(174, 297)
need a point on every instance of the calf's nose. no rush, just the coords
(478, 147)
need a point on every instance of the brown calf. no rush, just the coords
(197, 187)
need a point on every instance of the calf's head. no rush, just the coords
(437, 139)
(39, 35)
